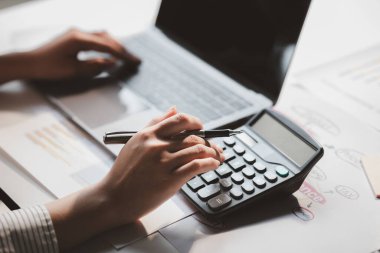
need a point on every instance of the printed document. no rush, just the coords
(351, 84)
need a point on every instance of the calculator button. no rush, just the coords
(225, 183)
(219, 202)
(260, 167)
(237, 165)
(208, 192)
(270, 176)
(281, 171)
(239, 150)
(248, 187)
(248, 172)
(259, 182)
(236, 193)
(229, 141)
(195, 184)
(237, 178)
(223, 171)
(249, 158)
(228, 155)
(219, 143)
(209, 177)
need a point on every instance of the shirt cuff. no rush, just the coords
(28, 230)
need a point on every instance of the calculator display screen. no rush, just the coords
(283, 139)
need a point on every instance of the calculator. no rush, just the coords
(271, 157)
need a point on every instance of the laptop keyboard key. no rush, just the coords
(219, 202)
(210, 177)
(223, 171)
(195, 184)
(208, 192)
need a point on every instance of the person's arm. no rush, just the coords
(58, 59)
(149, 170)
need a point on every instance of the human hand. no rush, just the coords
(59, 58)
(152, 167)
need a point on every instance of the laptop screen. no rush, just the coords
(250, 40)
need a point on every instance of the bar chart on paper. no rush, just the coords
(53, 153)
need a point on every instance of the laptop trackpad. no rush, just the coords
(104, 105)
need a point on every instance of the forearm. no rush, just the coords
(82, 215)
(16, 66)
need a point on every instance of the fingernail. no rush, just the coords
(172, 109)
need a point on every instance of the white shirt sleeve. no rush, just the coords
(27, 231)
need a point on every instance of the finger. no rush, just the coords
(198, 151)
(191, 141)
(172, 111)
(93, 67)
(116, 43)
(196, 167)
(178, 123)
(88, 41)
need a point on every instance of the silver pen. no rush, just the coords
(124, 136)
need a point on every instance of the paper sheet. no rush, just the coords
(371, 164)
(351, 84)
(333, 211)
(53, 153)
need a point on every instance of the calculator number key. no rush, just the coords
(219, 202)
(225, 183)
(237, 178)
(270, 176)
(248, 187)
(249, 158)
(239, 149)
(195, 184)
(229, 141)
(228, 155)
(248, 172)
(259, 182)
(237, 165)
(223, 171)
(259, 167)
(236, 193)
(209, 177)
(208, 192)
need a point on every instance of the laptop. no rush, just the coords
(221, 61)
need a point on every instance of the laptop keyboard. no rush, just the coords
(169, 80)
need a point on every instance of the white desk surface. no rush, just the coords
(334, 28)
